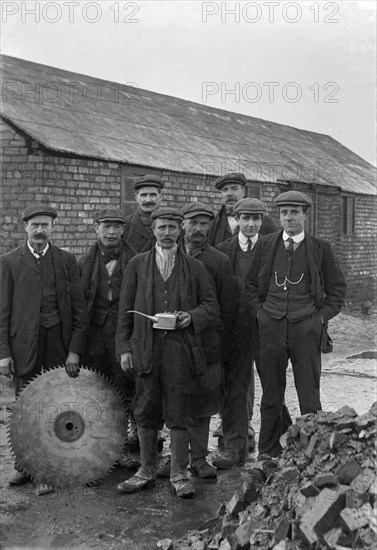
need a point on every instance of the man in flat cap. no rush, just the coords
(216, 337)
(43, 315)
(166, 363)
(295, 285)
(102, 268)
(232, 188)
(138, 231)
(238, 434)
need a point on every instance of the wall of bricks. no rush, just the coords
(77, 187)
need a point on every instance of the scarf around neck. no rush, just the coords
(165, 260)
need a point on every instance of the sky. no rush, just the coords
(308, 64)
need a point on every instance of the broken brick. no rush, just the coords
(325, 480)
(310, 448)
(348, 471)
(354, 518)
(336, 538)
(282, 530)
(243, 533)
(236, 504)
(252, 483)
(289, 473)
(363, 481)
(309, 490)
(321, 515)
(356, 500)
(228, 526)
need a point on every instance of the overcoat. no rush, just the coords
(220, 230)
(328, 285)
(21, 293)
(196, 296)
(137, 235)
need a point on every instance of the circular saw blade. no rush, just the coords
(67, 432)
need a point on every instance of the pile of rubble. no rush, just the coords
(320, 494)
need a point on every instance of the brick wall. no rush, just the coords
(77, 187)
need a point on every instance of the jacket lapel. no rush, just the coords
(28, 259)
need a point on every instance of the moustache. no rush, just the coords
(39, 235)
(198, 234)
(230, 199)
(149, 204)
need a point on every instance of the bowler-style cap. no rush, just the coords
(110, 215)
(197, 209)
(39, 209)
(167, 213)
(249, 206)
(149, 181)
(295, 198)
(233, 177)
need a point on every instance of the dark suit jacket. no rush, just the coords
(245, 327)
(136, 235)
(220, 230)
(89, 268)
(196, 296)
(328, 285)
(21, 292)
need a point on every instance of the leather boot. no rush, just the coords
(199, 436)
(146, 474)
(181, 483)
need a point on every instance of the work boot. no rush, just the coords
(199, 435)
(179, 479)
(224, 460)
(203, 469)
(146, 474)
(128, 462)
(18, 478)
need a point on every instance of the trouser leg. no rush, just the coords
(199, 436)
(235, 413)
(148, 453)
(304, 350)
(273, 365)
(179, 442)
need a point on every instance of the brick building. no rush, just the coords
(78, 142)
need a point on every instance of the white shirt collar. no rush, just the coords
(41, 253)
(296, 238)
(243, 239)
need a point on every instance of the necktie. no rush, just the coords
(249, 245)
(38, 254)
(290, 247)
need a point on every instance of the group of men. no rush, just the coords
(241, 292)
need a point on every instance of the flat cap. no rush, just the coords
(110, 215)
(295, 198)
(39, 209)
(233, 177)
(197, 209)
(167, 213)
(250, 206)
(149, 181)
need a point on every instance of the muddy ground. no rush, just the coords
(98, 517)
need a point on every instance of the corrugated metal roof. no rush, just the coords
(86, 116)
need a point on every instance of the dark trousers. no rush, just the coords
(165, 392)
(237, 371)
(100, 355)
(51, 352)
(280, 341)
